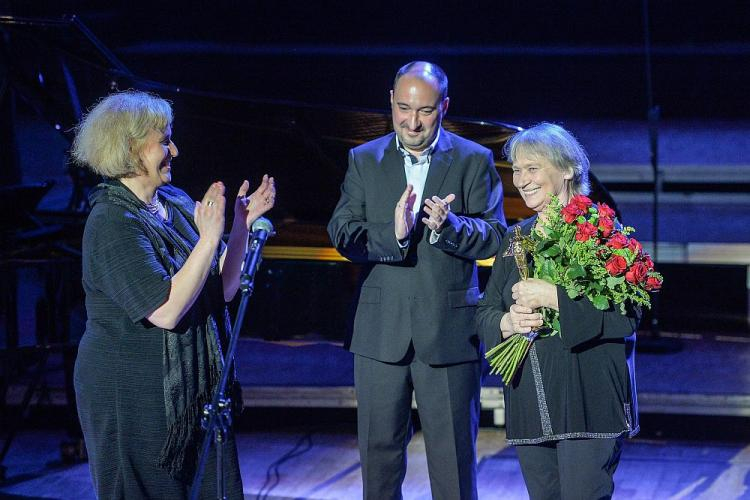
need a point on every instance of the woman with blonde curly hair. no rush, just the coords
(157, 277)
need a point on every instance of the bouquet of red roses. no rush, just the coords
(582, 248)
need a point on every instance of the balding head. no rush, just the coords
(427, 71)
(418, 103)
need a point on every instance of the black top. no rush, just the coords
(578, 384)
(119, 374)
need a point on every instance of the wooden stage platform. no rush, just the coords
(295, 444)
(321, 462)
(708, 375)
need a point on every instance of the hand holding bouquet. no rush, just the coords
(582, 248)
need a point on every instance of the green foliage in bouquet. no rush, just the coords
(582, 248)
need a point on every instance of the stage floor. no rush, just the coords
(323, 463)
(703, 388)
(708, 375)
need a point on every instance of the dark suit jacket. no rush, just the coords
(427, 293)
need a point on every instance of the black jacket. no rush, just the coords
(578, 384)
(427, 293)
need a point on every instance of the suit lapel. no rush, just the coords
(441, 160)
(394, 176)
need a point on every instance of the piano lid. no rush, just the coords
(62, 69)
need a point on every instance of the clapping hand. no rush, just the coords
(247, 209)
(437, 210)
(403, 215)
(209, 213)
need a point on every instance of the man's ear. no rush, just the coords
(444, 105)
(391, 97)
(568, 175)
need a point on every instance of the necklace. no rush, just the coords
(155, 207)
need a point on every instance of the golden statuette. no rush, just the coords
(519, 248)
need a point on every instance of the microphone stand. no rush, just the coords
(655, 343)
(217, 415)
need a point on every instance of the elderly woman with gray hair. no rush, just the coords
(157, 277)
(573, 400)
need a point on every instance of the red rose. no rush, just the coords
(570, 213)
(653, 283)
(635, 246)
(616, 265)
(637, 273)
(585, 231)
(648, 262)
(606, 226)
(581, 202)
(605, 211)
(618, 240)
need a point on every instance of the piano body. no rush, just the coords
(304, 289)
(59, 68)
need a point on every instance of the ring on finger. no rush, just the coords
(209, 203)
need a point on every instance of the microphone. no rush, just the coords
(262, 229)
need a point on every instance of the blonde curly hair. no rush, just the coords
(110, 136)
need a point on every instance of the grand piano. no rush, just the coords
(304, 289)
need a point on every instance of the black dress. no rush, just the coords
(119, 377)
(576, 385)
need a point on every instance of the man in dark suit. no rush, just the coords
(412, 329)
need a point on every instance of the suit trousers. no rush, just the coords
(448, 404)
(571, 469)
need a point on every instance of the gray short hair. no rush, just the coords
(559, 147)
(113, 132)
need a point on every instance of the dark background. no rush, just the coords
(580, 63)
(506, 59)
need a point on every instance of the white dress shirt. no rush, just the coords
(416, 169)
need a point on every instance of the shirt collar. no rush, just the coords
(425, 154)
